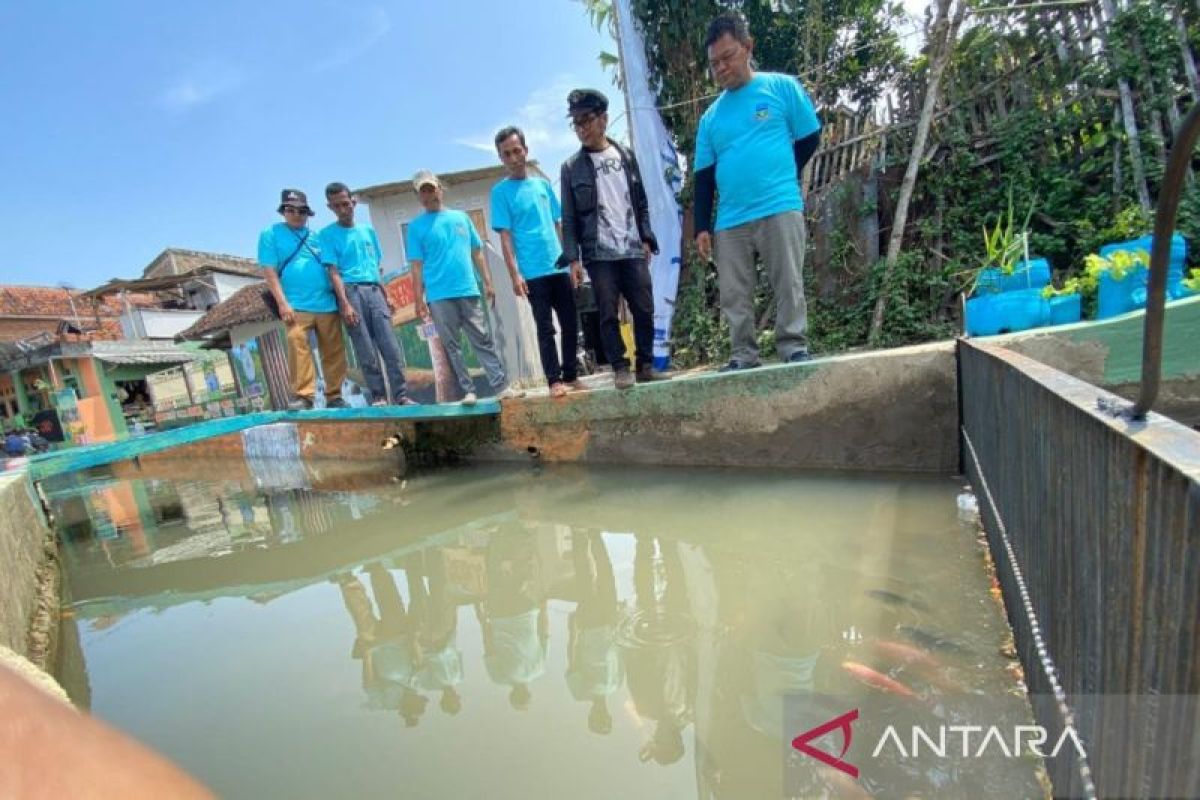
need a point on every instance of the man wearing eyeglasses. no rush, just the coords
(606, 226)
(751, 147)
(351, 253)
(290, 257)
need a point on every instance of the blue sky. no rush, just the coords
(135, 126)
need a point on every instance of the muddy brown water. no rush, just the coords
(514, 632)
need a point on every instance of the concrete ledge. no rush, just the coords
(1108, 354)
(24, 537)
(886, 411)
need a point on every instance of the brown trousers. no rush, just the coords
(300, 356)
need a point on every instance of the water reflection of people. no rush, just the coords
(386, 643)
(659, 648)
(594, 668)
(436, 618)
(513, 616)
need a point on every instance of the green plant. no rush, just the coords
(1192, 282)
(1070, 286)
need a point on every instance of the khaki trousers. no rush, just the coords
(300, 357)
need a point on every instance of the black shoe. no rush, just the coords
(647, 374)
(799, 357)
(337, 402)
(299, 404)
(623, 379)
(736, 366)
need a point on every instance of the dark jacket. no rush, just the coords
(579, 204)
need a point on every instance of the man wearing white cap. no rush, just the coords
(442, 244)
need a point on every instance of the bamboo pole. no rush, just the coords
(945, 34)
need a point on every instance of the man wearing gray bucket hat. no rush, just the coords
(291, 262)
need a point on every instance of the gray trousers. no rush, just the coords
(779, 241)
(374, 338)
(452, 318)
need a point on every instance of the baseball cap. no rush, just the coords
(581, 101)
(424, 177)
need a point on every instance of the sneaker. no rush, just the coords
(799, 357)
(510, 393)
(380, 403)
(577, 385)
(647, 374)
(300, 404)
(337, 402)
(735, 366)
(407, 401)
(558, 389)
(624, 379)
(469, 399)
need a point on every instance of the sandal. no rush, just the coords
(558, 390)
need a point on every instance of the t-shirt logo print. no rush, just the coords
(762, 111)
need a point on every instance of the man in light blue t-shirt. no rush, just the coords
(442, 245)
(351, 253)
(527, 216)
(751, 148)
(290, 257)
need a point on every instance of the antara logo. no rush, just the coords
(842, 723)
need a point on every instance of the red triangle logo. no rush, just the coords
(842, 723)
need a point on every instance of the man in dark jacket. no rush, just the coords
(606, 225)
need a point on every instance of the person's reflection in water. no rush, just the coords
(594, 668)
(658, 643)
(513, 616)
(436, 616)
(387, 644)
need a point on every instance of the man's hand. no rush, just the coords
(576, 274)
(349, 315)
(489, 292)
(519, 287)
(286, 313)
(704, 245)
(422, 309)
(647, 251)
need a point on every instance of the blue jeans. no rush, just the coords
(374, 338)
(451, 318)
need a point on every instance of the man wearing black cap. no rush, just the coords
(606, 225)
(291, 260)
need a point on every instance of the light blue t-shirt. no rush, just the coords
(305, 284)
(354, 251)
(528, 209)
(442, 241)
(749, 134)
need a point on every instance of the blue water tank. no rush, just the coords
(1031, 274)
(1006, 312)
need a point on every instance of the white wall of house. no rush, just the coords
(154, 323)
(512, 320)
(226, 284)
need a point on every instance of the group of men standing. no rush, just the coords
(752, 145)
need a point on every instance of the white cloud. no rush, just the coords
(202, 84)
(543, 118)
(358, 32)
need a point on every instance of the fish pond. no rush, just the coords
(505, 631)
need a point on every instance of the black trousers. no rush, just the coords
(628, 278)
(552, 295)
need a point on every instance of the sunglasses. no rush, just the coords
(582, 122)
(295, 209)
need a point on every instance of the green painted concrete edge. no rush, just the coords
(1122, 339)
(79, 458)
(106, 606)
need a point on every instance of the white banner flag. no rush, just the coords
(663, 176)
